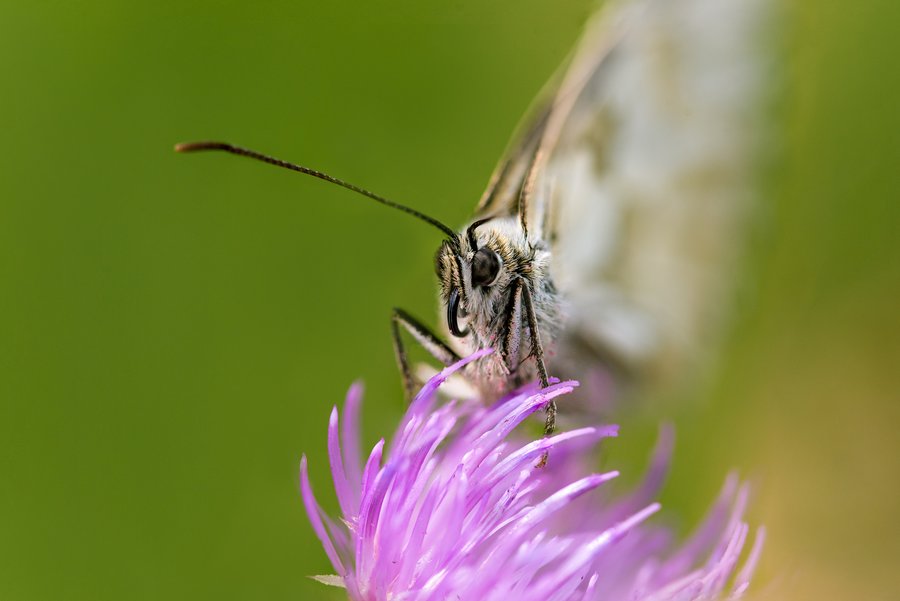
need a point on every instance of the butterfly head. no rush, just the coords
(475, 270)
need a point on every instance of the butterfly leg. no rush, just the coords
(513, 333)
(537, 350)
(426, 338)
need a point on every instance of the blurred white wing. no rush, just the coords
(647, 184)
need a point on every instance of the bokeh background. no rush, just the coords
(174, 330)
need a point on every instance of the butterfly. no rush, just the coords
(607, 232)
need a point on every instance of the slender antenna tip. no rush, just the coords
(194, 146)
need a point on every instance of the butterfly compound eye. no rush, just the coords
(453, 314)
(485, 267)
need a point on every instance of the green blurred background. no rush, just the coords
(174, 330)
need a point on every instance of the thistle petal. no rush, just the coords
(458, 510)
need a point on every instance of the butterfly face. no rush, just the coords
(483, 275)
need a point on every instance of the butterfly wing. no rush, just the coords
(538, 133)
(642, 180)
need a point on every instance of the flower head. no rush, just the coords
(456, 509)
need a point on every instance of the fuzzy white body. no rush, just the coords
(487, 307)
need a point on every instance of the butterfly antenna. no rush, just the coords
(245, 152)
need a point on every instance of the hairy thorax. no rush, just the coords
(493, 315)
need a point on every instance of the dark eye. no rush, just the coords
(485, 267)
(453, 314)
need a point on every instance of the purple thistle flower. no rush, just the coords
(458, 510)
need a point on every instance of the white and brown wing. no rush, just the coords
(642, 183)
